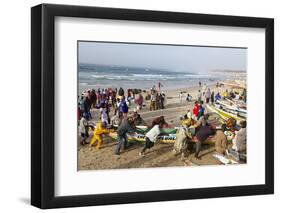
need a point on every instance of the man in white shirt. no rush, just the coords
(181, 95)
(83, 129)
(240, 140)
(151, 137)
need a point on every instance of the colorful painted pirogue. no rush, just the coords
(224, 109)
(169, 138)
(229, 109)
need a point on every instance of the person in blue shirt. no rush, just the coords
(123, 108)
(201, 110)
(218, 96)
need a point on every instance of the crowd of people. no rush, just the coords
(194, 124)
(157, 99)
(199, 129)
(106, 100)
(126, 125)
(205, 94)
(115, 101)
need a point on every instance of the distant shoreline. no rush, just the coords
(179, 88)
(93, 76)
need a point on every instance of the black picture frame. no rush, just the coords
(43, 105)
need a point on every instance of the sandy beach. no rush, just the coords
(161, 154)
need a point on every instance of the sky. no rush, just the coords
(168, 57)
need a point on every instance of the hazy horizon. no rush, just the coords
(165, 57)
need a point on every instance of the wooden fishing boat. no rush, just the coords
(231, 107)
(224, 114)
(169, 138)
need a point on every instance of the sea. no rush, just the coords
(94, 76)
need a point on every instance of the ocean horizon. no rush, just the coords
(94, 76)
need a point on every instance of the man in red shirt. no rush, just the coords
(196, 109)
